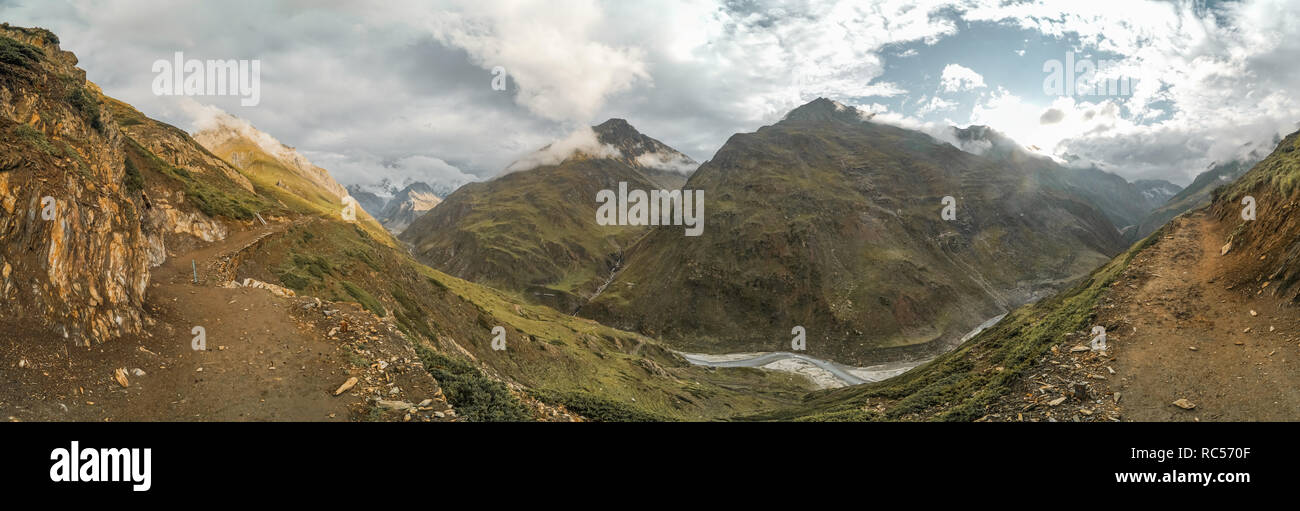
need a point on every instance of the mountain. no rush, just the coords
(830, 222)
(407, 205)
(1202, 311)
(1123, 203)
(280, 172)
(75, 259)
(1157, 191)
(126, 242)
(373, 204)
(1195, 195)
(533, 229)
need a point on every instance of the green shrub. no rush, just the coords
(131, 178)
(18, 53)
(366, 300)
(294, 281)
(86, 106)
(599, 409)
(34, 137)
(315, 265)
(474, 396)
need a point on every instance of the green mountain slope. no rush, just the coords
(978, 377)
(1123, 203)
(1195, 195)
(130, 192)
(832, 223)
(534, 231)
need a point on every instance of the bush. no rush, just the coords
(294, 281)
(86, 105)
(18, 53)
(475, 396)
(315, 265)
(131, 178)
(599, 409)
(367, 301)
(33, 137)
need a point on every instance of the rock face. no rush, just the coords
(74, 259)
(91, 191)
(413, 201)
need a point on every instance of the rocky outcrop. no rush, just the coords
(173, 145)
(73, 256)
(81, 225)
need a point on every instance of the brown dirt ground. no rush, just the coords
(267, 358)
(1183, 335)
(1175, 330)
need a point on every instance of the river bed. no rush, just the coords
(823, 373)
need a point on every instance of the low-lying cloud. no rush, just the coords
(582, 141)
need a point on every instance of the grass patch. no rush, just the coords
(34, 137)
(366, 300)
(215, 196)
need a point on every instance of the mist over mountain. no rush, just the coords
(407, 205)
(1125, 204)
(1157, 191)
(369, 201)
(831, 222)
(533, 228)
(1197, 194)
(126, 240)
(933, 237)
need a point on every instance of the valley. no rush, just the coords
(151, 274)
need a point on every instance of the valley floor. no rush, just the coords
(267, 358)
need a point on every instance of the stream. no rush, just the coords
(823, 373)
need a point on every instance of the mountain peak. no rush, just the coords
(236, 140)
(639, 150)
(982, 139)
(822, 109)
(613, 124)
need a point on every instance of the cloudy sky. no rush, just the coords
(404, 91)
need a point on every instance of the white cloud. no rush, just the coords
(1212, 84)
(410, 79)
(363, 167)
(671, 162)
(935, 104)
(582, 141)
(957, 77)
(550, 50)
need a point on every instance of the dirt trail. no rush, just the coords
(1178, 333)
(267, 358)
